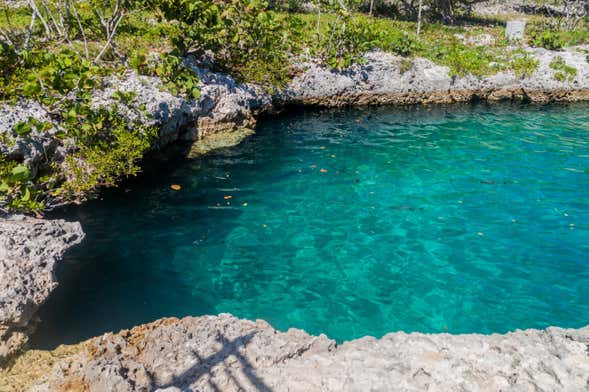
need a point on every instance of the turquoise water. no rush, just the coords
(468, 218)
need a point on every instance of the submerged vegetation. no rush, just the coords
(58, 52)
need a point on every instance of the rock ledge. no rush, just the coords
(29, 252)
(227, 354)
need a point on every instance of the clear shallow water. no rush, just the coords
(459, 219)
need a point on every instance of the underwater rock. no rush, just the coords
(228, 354)
(217, 140)
(29, 252)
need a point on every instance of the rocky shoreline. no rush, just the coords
(29, 252)
(223, 353)
(30, 249)
(226, 106)
(384, 79)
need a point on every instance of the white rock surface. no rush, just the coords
(223, 104)
(227, 354)
(31, 148)
(29, 252)
(493, 8)
(382, 80)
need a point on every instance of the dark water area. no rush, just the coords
(349, 222)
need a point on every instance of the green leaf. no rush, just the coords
(27, 195)
(21, 173)
(4, 187)
(23, 128)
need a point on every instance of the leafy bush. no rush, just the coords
(546, 39)
(16, 187)
(171, 69)
(563, 72)
(349, 37)
(523, 63)
(60, 70)
(243, 36)
(346, 43)
(395, 41)
(48, 76)
(109, 150)
(464, 59)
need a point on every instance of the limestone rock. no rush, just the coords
(493, 8)
(543, 85)
(227, 354)
(31, 148)
(29, 252)
(223, 104)
(384, 78)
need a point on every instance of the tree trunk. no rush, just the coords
(419, 17)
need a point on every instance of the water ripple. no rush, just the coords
(350, 222)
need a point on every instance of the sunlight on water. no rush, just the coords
(349, 223)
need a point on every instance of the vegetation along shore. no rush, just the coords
(88, 88)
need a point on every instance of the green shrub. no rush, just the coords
(109, 150)
(546, 39)
(247, 40)
(179, 79)
(349, 37)
(563, 72)
(399, 42)
(58, 75)
(49, 75)
(346, 42)
(16, 187)
(523, 64)
(464, 59)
